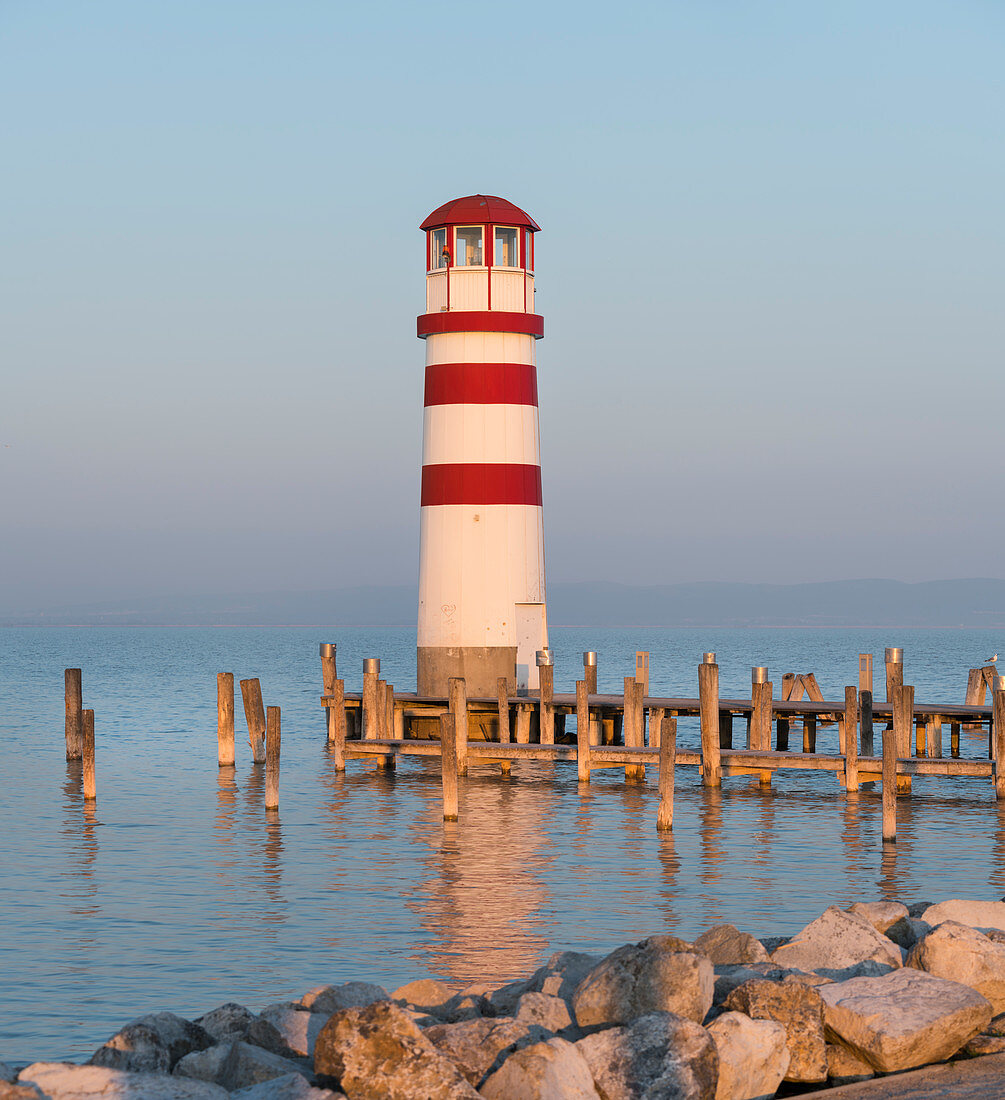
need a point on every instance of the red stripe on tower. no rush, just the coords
(471, 320)
(481, 384)
(481, 483)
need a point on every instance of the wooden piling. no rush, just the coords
(73, 693)
(582, 731)
(782, 734)
(87, 755)
(865, 709)
(523, 716)
(788, 683)
(933, 736)
(448, 764)
(761, 701)
(337, 725)
(254, 714)
(998, 722)
(954, 740)
(590, 671)
(725, 729)
(903, 723)
(546, 695)
(850, 739)
(810, 733)
(502, 705)
(894, 660)
(633, 726)
(458, 702)
(371, 700)
(708, 699)
(225, 719)
(273, 739)
(388, 732)
(889, 786)
(976, 688)
(668, 764)
(656, 726)
(329, 673)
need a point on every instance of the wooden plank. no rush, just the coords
(668, 763)
(457, 693)
(224, 719)
(254, 714)
(449, 764)
(850, 739)
(708, 695)
(582, 731)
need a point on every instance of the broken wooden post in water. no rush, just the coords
(998, 726)
(87, 755)
(458, 704)
(254, 714)
(850, 739)
(582, 731)
(273, 740)
(708, 701)
(73, 692)
(668, 765)
(889, 786)
(371, 702)
(225, 719)
(448, 764)
(546, 695)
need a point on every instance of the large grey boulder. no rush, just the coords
(725, 945)
(799, 1009)
(290, 1087)
(906, 932)
(235, 1066)
(835, 941)
(880, 914)
(962, 954)
(229, 1023)
(297, 1027)
(478, 1047)
(904, 1019)
(753, 1056)
(656, 975)
(978, 914)
(151, 1044)
(553, 1070)
(61, 1081)
(540, 1010)
(378, 1053)
(333, 998)
(659, 1057)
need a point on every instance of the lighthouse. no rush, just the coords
(482, 608)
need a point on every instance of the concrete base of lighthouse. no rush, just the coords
(480, 667)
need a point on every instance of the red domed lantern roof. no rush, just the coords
(475, 209)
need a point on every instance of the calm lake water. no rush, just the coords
(177, 893)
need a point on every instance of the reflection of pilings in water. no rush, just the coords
(895, 863)
(266, 847)
(764, 839)
(669, 870)
(852, 844)
(712, 855)
(997, 877)
(224, 825)
(486, 887)
(80, 831)
(273, 866)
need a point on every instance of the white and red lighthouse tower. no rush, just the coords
(481, 557)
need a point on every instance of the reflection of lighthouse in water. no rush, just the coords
(481, 558)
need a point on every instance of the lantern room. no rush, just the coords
(479, 256)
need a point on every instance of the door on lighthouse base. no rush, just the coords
(531, 635)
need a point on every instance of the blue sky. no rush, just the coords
(771, 269)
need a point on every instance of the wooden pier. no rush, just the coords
(890, 741)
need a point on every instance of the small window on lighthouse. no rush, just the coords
(469, 246)
(438, 248)
(528, 249)
(506, 244)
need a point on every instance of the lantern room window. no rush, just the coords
(439, 256)
(506, 248)
(528, 249)
(469, 246)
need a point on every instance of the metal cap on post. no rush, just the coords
(894, 656)
(708, 658)
(544, 657)
(326, 649)
(371, 664)
(590, 658)
(759, 674)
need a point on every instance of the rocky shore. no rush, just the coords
(874, 989)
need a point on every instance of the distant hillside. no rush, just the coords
(959, 603)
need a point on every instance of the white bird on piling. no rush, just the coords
(992, 660)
